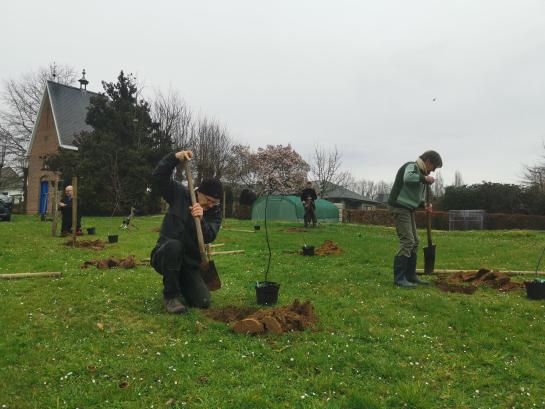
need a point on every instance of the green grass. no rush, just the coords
(376, 346)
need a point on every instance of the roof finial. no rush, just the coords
(54, 71)
(82, 81)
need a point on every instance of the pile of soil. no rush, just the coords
(327, 249)
(295, 230)
(295, 317)
(92, 244)
(467, 283)
(111, 262)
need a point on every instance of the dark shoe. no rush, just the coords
(411, 272)
(174, 306)
(400, 269)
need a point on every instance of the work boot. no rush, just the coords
(411, 272)
(400, 269)
(174, 306)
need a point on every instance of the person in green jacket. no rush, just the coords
(406, 196)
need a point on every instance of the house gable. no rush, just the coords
(61, 118)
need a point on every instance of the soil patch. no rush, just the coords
(92, 244)
(327, 249)
(111, 262)
(245, 320)
(295, 230)
(467, 283)
(229, 314)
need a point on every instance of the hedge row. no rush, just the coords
(440, 220)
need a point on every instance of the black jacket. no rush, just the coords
(308, 192)
(178, 223)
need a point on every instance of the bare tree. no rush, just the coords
(174, 117)
(325, 169)
(458, 181)
(438, 185)
(383, 188)
(534, 176)
(364, 187)
(212, 147)
(21, 98)
(241, 167)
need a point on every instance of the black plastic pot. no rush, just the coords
(112, 238)
(308, 250)
(267, 292)
(91, 230)
(535, 289)
(257, 227)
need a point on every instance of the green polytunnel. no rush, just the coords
(290, 208)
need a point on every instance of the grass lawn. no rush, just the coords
(99, 338)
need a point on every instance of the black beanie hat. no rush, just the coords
(211, 187)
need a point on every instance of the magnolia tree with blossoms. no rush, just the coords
(275, 169)
(279, 170)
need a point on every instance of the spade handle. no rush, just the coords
(197, 219)
(428, 215)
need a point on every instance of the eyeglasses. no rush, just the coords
(211, 201)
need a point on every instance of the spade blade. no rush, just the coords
(429, 259)
(210, 275)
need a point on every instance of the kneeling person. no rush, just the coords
(176, 255)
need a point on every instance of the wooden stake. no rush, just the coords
(216, 245)
(508, 272)
(243, 231)
(74, 209)
(29, 275)
(55, 208)
(227, 252)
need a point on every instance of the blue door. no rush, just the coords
(44, 195)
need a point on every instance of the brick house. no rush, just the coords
(61, 117)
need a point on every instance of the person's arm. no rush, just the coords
(162, 174)
(413, 175)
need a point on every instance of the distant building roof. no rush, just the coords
(69, 105)
(9, 179)
(339, 192)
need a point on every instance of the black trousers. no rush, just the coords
(181, 275)
(310, 214)
(66, 224)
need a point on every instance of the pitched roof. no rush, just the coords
(69, 106)
(339, 192)
(10, 179)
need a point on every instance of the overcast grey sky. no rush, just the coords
(361, 75)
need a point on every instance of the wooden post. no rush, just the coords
(29, 275)
(74, 209)
(55, 207)
(224, 203)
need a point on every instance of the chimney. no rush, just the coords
(83, 82)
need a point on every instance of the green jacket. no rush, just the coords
(408, 189)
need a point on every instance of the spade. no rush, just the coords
(429, 252)
(208, 270)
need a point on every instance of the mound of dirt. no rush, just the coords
(467, 283)
(295, 317)
(111, 262)
(92, 244)
(327, 249)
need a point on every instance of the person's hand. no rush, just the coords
(429, 179)
(183, 155)
(196, 210)
(61, 204)
(429, 208)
